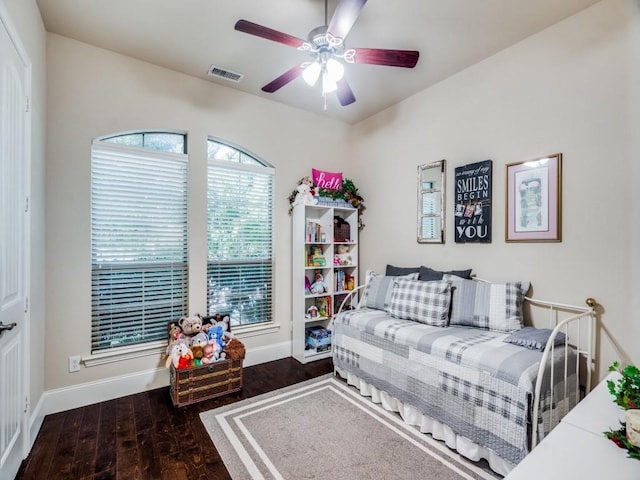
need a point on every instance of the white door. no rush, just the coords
(13, 223)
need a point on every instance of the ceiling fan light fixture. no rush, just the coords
(335, 70)
(311, 73)
(326, 46)
(328, 84)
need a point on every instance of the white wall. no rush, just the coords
(94, 92)
(567, 89)
(26, 20)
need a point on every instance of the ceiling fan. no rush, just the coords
(325, 45)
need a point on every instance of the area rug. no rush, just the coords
(324, 429)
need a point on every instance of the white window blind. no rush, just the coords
(240, 241)
(138, 244)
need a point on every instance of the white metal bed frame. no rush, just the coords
(578, 325)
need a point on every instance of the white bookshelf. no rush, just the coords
(313, 230)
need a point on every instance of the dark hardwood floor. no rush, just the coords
(144, 436)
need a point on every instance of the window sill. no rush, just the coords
(255, 330)
(125, 353)
(159, 347)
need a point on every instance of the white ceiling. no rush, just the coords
(190, 35)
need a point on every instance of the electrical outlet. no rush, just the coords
(74, 363)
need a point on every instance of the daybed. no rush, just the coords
(450, 354)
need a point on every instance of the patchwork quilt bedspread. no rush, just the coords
(467, 378)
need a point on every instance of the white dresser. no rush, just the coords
(577, 448)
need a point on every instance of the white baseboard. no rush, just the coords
(60, 399)
(35, 422)
(269, 353)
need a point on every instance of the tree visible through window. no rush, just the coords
(239, 235)
(138, 237)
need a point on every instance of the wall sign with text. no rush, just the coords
(472, 219)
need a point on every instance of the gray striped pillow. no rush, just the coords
(492, 306)
(424, 302)
(377, 291)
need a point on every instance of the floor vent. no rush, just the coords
(225, 74)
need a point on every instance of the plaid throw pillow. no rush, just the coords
(492, 306)
(424, 302)
(377, 291)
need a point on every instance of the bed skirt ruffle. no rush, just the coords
(426, 424)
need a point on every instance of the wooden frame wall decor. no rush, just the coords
(431, 202)
(534, 200)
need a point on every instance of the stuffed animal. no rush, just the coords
(235, 349)
(207, 322)
(198, 355)
(181, 355)
(214, 335)
(319, 286)
(175, 334)
(222, 319)
(225, 323)
(209, 354)
(199, 340)
(304, 195)
(306, 181)
(343, 255)
(190, 325)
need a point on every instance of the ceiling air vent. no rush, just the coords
(225, 74)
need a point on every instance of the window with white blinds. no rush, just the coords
(239, 235)
(138, 243)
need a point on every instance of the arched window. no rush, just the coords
(138, 237)
(239, 235)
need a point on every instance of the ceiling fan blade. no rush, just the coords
(344, 93)
(268, 33)
(392, 58)
(283, 79)
(345, 15)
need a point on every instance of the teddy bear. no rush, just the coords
(319, 286)
(190, 325)
(214, 335)
(198, 355)
(343, 256)
(308, 181)
(235, 349)
(304, 195)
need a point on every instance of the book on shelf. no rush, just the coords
(324, 306)
(343, 281)
(314, 232)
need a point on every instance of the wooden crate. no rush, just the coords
(195, 384)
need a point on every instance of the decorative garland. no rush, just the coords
(619, 437)
(626, 393)
(349, 193)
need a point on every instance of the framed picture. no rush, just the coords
(534, 200)
(472, 219)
